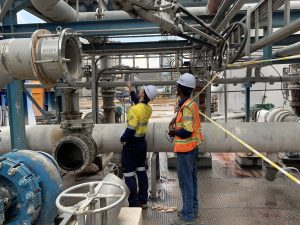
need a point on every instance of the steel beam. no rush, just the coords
(16, 115)
(138, 47)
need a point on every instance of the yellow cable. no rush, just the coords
(293, 178)
(263, 157)
(252, 63)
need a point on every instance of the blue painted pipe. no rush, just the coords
(34, 182)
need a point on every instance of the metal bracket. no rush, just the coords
(44, 114)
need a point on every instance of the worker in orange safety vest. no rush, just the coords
(187, 134)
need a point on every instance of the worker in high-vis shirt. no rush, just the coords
(185, 128)
(135, 146)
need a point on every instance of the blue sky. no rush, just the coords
(25, 17)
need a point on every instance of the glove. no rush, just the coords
(172, 132)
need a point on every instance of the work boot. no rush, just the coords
(196, 215)
(179, 221)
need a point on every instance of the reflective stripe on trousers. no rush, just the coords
(130, 174)
(140, 169)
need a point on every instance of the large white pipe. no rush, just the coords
(61, 11)
(265, 137)
(44, 57)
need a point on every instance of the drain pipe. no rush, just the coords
(45, 57)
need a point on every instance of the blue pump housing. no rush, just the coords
(29, 185)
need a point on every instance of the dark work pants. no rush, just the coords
(187, 176)
(133, 163)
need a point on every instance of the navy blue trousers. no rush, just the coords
(187, 176)
(133, 164)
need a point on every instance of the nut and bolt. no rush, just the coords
(12, 171)
(29, 195)
(30, 210)
(23, 182)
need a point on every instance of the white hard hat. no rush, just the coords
(151, 91)
(187, 80)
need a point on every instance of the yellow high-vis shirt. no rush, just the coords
(187, 119)
(138, 118)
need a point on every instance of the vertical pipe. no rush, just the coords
(225, 99)
(95, 106)
(270, 17)
(77, 10)
(248, 24)
(268, 31)
(287, 12)
(247, 101)
(3, 110)
(153, 175)
(256, 25)
(108, 94)
(208, 99)
(267, 54)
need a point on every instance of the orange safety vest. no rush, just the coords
(188, 144)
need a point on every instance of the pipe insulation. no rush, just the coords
(45, 57)
(266, 137)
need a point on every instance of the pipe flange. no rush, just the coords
(56, 56)
(34, 49)
(67, 35)
(108, 91)
(109, 107)
(88, 140)
(74, 152)
(25, 190)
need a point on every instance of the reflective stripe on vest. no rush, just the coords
(188, 144)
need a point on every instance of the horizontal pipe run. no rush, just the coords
(241, 80)
(266, 137)
(237, 80)
(42, 57)
(278, 35)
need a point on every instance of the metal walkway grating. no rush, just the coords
(228, 196)
(228, 200)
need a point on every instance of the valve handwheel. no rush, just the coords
(85, 199)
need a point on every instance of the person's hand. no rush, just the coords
(172, 132)
(128, 84)
(172, 123)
